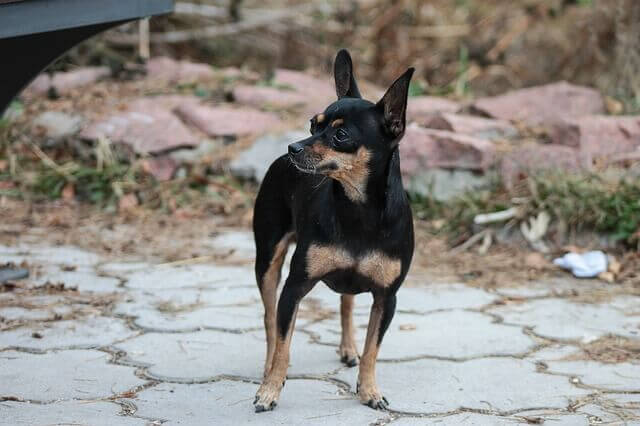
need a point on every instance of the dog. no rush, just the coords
(338, 194)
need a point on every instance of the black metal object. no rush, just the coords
(33, 33)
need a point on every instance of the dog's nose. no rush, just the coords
(295, 148)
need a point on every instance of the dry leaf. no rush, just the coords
(68, 192)
(607, 276)
(407, 327)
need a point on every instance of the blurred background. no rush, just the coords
(523, 142)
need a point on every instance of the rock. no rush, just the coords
(536, 105)
(422, 108)
(532, 159)
(426, 148)
(227, 121)
(171, 70)
(483, 128)
(444, 184)
(259, 97)
(63, 82)
(254, 162)
(162, 167)
(599, 139)
(146, 125)
(56, 124)
(318, 92)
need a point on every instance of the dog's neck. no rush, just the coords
(370, 198)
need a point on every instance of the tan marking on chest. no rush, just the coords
(375, 265)
(352, 172)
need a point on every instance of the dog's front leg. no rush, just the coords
(268, 393)
(384, 306)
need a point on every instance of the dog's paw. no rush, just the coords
(266, 397)
(349, 355)
(371, 396)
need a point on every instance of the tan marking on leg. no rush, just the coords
(348, 350)
(337, 123)
(269, 291)
(368, 392)
(271, 386)
(380, 268)
(322, 259)
(320, 118)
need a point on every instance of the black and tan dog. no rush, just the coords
(339, 195)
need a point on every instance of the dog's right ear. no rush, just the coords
(346, 86)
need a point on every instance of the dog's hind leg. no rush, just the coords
(384, 306)
(348, 350)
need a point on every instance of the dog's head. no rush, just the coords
(353, 136)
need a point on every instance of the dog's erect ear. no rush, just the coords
(346, 86)
(394, 104)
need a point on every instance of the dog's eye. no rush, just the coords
(341, 136)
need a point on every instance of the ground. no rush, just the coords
(107, 331)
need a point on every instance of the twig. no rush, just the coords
(219, 29)
(500, 216)
(470, 242)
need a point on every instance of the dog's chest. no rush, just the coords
(374, 265)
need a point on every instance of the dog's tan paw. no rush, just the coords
(371, 396)
(267, 397)
(349, 355)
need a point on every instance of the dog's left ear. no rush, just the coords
(394, 104)
(346, 86)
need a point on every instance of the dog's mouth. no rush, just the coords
(310, 167)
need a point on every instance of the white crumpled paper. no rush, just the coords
(583, 265)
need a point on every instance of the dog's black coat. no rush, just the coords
(309, 193)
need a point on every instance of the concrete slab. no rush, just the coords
(89, 332)
(98, 413)
(71, 374)
(614, 377)
(194, 276)
(450, 334)
(434, 386)
(84, 279)
(564, 319)
(203, 355)
(230, 403)
(442, 296)
(475, 419)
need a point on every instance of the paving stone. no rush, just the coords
(473, 419)
(15, 313)
(202, 355)
(616, 377)
(558, 319)
(117, 268)
(59, 255)
(484, 128)
(255, 161)
(240, 242)
(535, 105)
(65, 413)
(206, 276)
(270, 97)
(226, 121)
(230, 403)
(82, 333)
(79, 374)
(552, 417)
(174, 71)
(446, 184)
(453, 334)
(434, 386)
(146, 125)
(57, 124)
(84, 279)
(442, 296)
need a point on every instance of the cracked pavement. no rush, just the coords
(134, 342)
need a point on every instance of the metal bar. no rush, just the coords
(39, 16)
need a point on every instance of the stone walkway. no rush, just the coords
(134, 343)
